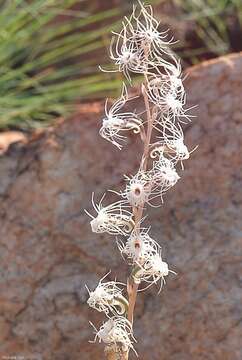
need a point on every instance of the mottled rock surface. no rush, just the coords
(48, 253)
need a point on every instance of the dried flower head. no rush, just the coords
(168, 94)
(143, 31)
(164, 174)
(117, 330)
(172, 139)
(114, 219)
(138, 247)
(124, 52)
(153, 270)
(107, 297)
(138, 189)
(117, 122)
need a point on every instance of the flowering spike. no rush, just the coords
(142, 49)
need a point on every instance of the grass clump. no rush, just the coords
(47, 59)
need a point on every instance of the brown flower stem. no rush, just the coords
(150, 121)
(110, 353)
(115, 353)
(144, 162)
(132, 287)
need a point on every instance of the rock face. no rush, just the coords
(48, 253)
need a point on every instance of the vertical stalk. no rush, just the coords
(110, 353)
(150, 121)
(115, 353)
(139, 48)
(132, 287)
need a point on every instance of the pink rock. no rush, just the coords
(48, 253)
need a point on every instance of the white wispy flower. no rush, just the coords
(167, 92)
(126, 55)
(138, 189)
(143, 28)
(151, 44)
(107, 297)
(117, 122)
(139, 247)
(140, 47)
(153, 270)
(114, 219)
(164, 174)
(165, 83)
(172, 138)
(117, 330)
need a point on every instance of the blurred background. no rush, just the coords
(52, 159)
(50, 50)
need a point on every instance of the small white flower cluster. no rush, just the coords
(107, 298)
(139, 247)
(145, 186)
(140, 48)
(116, 121)
(117, 330)
(114, 219)
(138, 189)
(144, 254)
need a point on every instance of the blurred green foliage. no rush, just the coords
(217, 27)
(47, 59)
(50, 50)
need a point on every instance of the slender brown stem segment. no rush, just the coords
(115, 353)
(132, 287)
(150, 121)
(110, 353)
